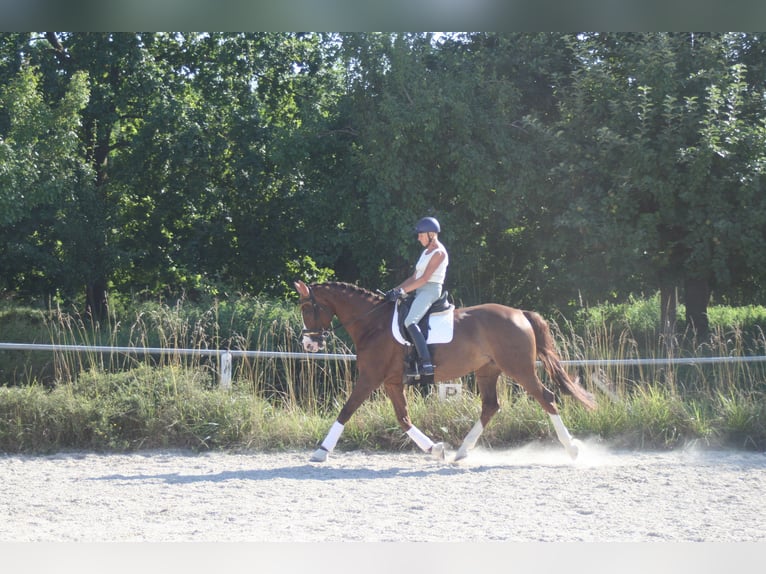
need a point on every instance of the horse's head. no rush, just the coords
(317, 318)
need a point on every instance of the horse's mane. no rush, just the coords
(348, 288)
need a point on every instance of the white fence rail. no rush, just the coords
(225, 356)
(170, 351)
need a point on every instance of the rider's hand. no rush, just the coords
(394, 294)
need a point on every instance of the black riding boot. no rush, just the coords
(426, 372)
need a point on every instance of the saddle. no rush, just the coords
(403, 307)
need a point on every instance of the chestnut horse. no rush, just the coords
(488, 340)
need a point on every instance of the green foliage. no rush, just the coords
(142, 408)
(37, 147)
(566, 169)
(652, 416)
(637, 315)
(443, 130)
(178, 408)
(640, 318)
(661, 183)
(24, 325)
(40, 171)
(563, 167)
(741, 418)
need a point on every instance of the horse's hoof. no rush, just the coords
(460, 455)
(320, 455)
(574, 449)
(437, 451)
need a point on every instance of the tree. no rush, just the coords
(40, 175)
(440, 129)
(671, 154)
(564, 168)
(114, 66)
(200, 158)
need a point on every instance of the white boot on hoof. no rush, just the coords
(574, 448)
(437, 451)
(320, 455)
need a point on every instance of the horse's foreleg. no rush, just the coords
(328, 444)
(395, 391)
(570, 444)
(361, 392)
(435, 449)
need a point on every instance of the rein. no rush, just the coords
(325, 333)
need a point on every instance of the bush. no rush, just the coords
(24, 325)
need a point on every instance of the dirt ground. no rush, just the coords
(530, 494)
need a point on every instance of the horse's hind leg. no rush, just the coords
(532, 384)
(546, 398)
(486, 381)
(571, 445)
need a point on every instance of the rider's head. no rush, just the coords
(428, 225)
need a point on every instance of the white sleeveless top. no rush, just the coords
(439, 273)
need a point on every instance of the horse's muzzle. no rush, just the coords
(314, 341)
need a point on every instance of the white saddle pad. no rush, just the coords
(441, 327)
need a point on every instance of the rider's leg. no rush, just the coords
(427, 368)
(424, 298)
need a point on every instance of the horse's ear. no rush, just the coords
(300, 286)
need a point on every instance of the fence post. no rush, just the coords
(225, 370)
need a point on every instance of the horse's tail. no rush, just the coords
(546, 352)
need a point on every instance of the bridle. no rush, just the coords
(325, 333)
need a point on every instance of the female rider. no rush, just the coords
(426, 281)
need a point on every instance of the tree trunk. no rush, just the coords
(697, 296)
(96, 304)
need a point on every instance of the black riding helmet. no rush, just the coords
(426, 225)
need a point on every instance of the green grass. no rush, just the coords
(147, 408)
(172, 407)
(121, 402)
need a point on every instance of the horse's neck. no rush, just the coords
(350, 308)
(349, 313)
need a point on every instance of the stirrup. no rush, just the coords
(421, 375)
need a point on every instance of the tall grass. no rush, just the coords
(191, 337)
(129, 400)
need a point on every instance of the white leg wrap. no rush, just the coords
(473, 436)
(470, 440)
(332, 437)
(565, 438)
(420, 439)
(561, 431)
(328, 444)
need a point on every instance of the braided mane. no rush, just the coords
(348, 288)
